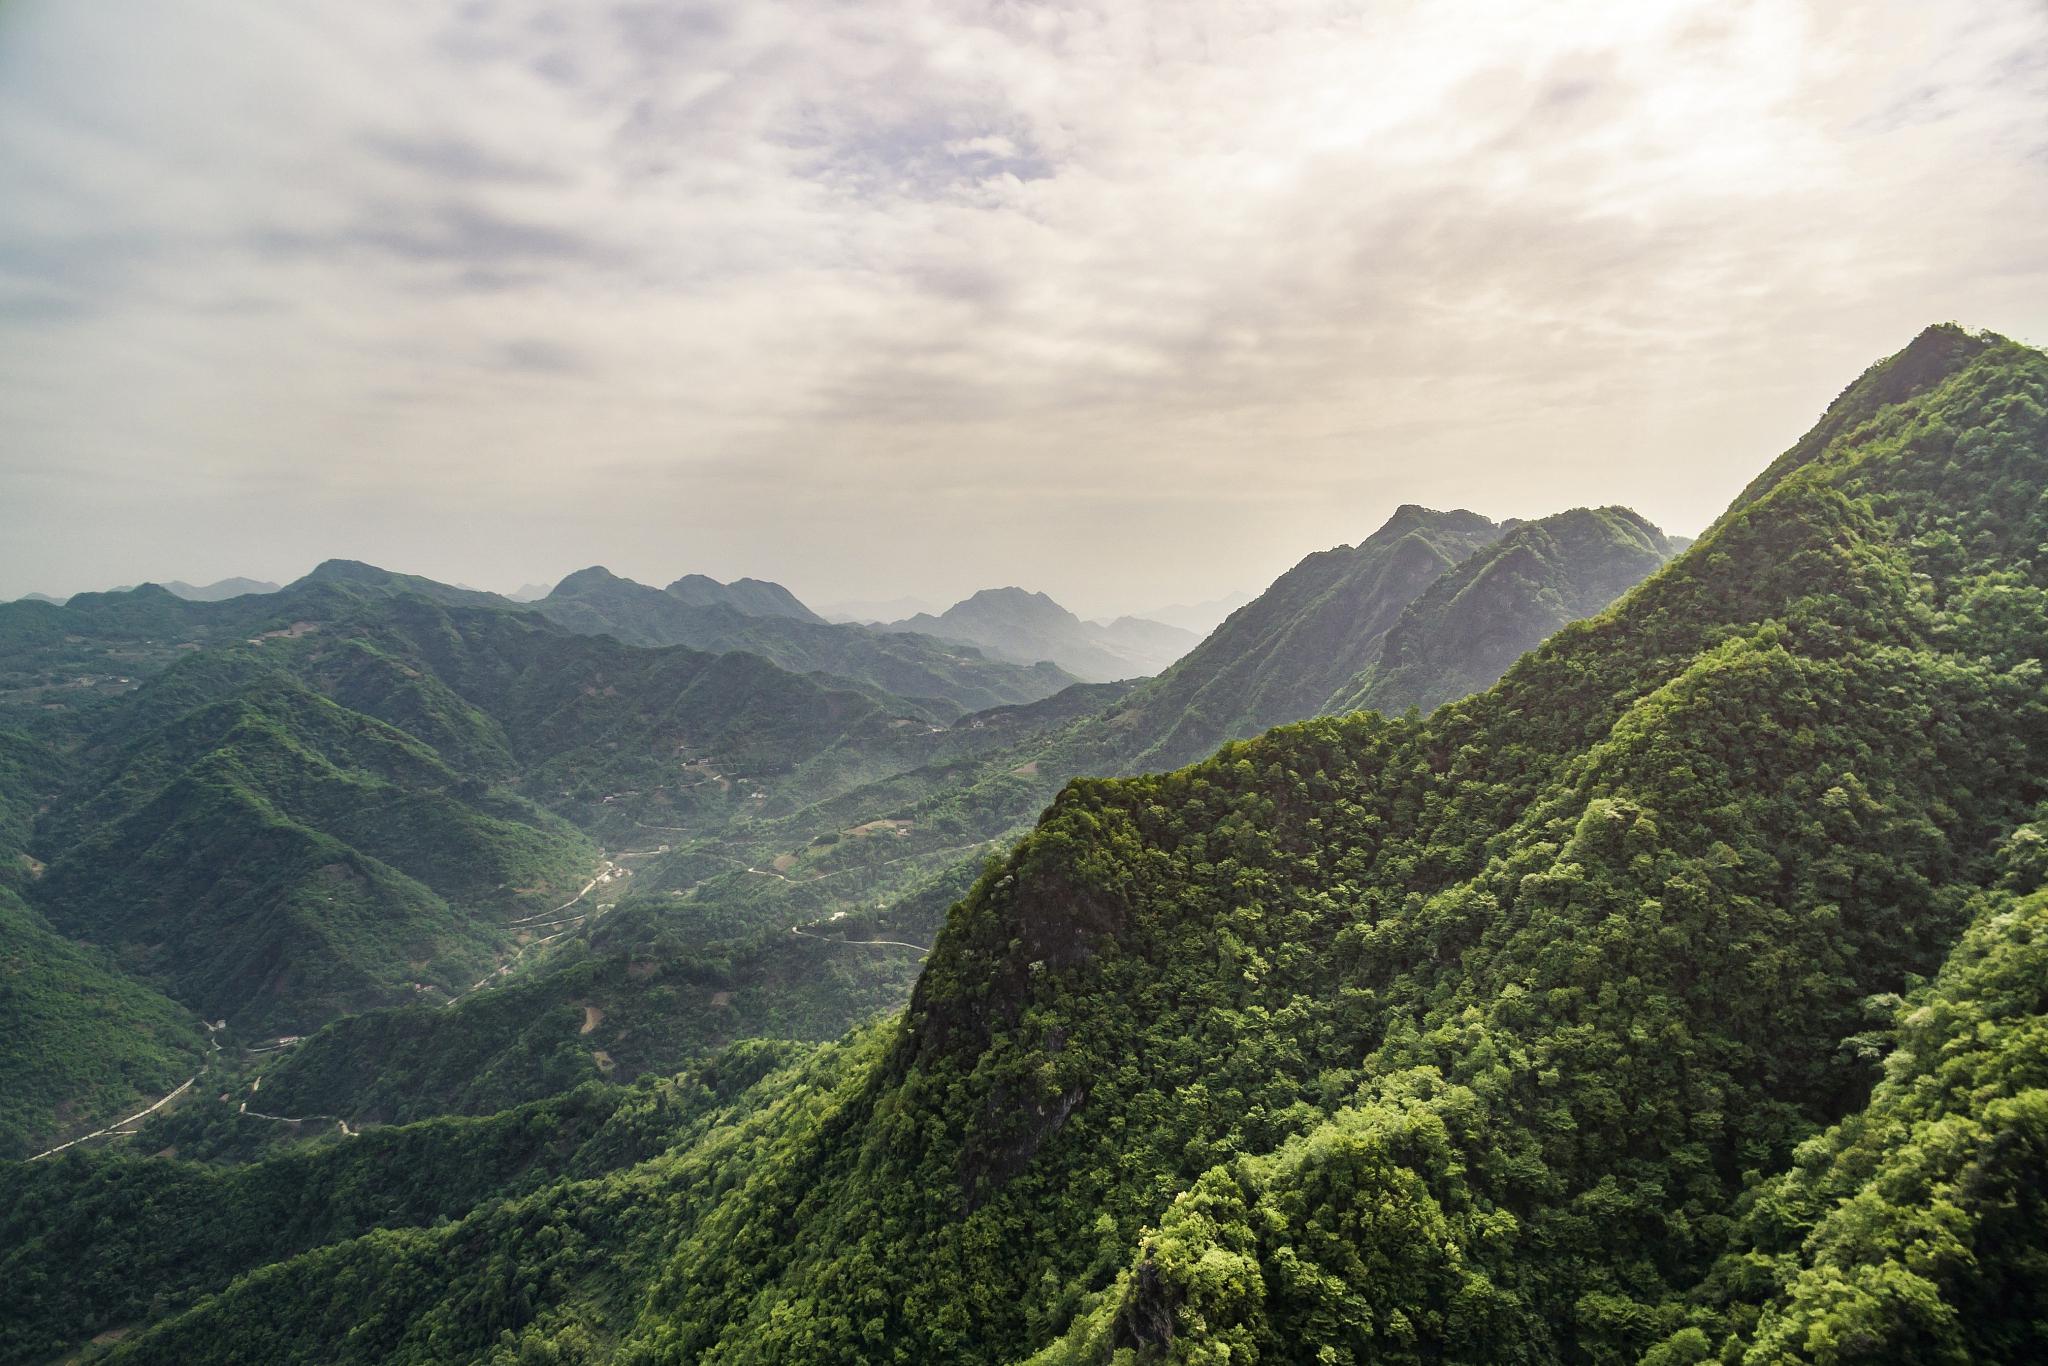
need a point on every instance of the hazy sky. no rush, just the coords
(1130, 302)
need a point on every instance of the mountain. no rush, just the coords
(1281, 657)
(754, 597)
(276, 859)
(1467, 1036)
(360, 578)
(41, 597)
(224, 588)
(946, 676)
(529, 592)
(1502, 601)
(1198, 617)
(380, 806)
(865, 613)
(1322, 620)
(1677, 998)
(1025, 627)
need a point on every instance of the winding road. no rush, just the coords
(118, 1125)
(834, 939)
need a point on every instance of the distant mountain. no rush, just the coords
(224, 588)
(529, 592)
(944, 674)
(359, 808)
(212, 592)
(1281, 657)
(1199, 617)
(1025, 627)
(358, 577)
(755, 597)
(1503, 601)
(870, 613)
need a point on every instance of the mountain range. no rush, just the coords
(1025, 627)
(1654, 973)
(883, 860)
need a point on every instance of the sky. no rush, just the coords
(1129, 303)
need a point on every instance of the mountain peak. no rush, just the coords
(583, 580)
(1413, 516)
(752, 597)
(1937, 353)
(344, 571)
(1009, 594)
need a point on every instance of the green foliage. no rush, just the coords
(1917, 1229)
(428, 1243)
(276, 859)
(641, 999)
(96, 1239)
(1610, 922)
(85, 1045)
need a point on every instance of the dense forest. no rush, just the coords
(1672, 992)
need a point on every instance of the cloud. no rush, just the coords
(1127, 302)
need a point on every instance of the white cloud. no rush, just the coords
(1128, 302)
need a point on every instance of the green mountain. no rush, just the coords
(361, 579)
(755, 597)
(944, 676)
(833, 851)
(275, 859)
(85, 1044)
(1677, 998)
(1025, 627)
(219, 589)
(382, 806)
(1282, 657)
(1502, 601)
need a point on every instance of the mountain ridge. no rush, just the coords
(1024, 627)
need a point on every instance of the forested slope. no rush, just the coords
(381, 803)
(276, 859)
(85, 1045)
